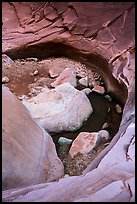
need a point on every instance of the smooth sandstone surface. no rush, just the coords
(28, 151)
(29, 24)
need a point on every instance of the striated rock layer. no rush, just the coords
(106, 43)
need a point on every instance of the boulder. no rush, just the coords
(84, 81)
(61, 109)
(6, 61)
(28, 152)
(85, 142)
(67, 75)
(99, 89)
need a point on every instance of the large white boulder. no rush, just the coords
(61, 109)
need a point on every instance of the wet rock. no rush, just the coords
(109, 109)
(28, 152)
(67, 75)
(63, 140)
(108, 97)
(118, 109)
(64, 145)
(61, 109)
(105, 125)
(5, 80)
(99, 89)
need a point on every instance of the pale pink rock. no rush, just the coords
(84, 81)
(84, 143)
(99, 89)
(6, 60)
(67, 75)
(87, 91)
(61, 109)
(118, 109)
(5, 79)
(28, 152)
(55, 69)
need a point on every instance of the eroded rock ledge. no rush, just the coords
(105, 42)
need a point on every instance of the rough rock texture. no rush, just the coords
(107, 43)
(67, 75)
(6, 61)
(61, 109)
(99, 89)
(85, 142)
(28, 152)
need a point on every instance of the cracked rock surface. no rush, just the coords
(29, 25)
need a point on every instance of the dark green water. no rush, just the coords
(99, 116)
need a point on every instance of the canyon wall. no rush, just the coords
(102, 34)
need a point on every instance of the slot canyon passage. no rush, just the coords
(68, 102)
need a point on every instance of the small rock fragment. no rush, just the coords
(105, 125)
(109, 109)
(5, 80)
(36, 72)
(84, 81)
(99, 89)
(32, 59)
(22, 97)
(108, 97)
(6, 60)
(118, 109)
(66, 175)
(63, 140)
(86, 91)
(83, 143)
(104, 134)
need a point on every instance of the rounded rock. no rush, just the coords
(104, 134)
(118, 109)
(5, 80)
